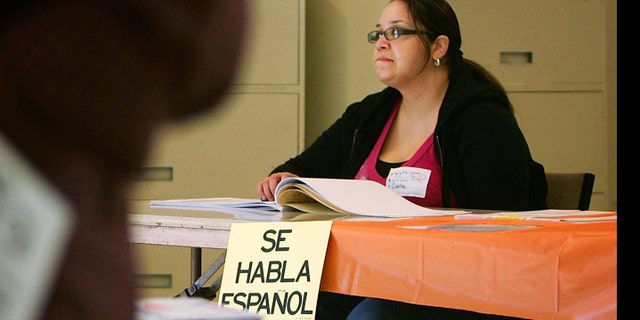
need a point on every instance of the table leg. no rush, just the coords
(196, 264)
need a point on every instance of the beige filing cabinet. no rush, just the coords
(550, 55)
(226, 152)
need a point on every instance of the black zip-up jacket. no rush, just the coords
(486, 162)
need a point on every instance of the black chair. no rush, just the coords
(570, 190)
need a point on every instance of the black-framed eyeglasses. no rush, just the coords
(391, 34)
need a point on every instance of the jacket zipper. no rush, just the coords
(353, 146)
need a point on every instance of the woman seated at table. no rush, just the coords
(442, 117)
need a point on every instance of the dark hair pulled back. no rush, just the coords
(437, 18)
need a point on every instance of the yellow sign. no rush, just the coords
(274, 268)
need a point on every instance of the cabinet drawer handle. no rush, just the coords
(156, 174)
(516, 57)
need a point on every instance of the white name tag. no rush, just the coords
(409, 181)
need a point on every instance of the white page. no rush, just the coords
(365, 197)
(187, 309)
(548, 214)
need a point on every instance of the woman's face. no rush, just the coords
(399, 61)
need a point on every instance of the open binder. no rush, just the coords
(317, 195)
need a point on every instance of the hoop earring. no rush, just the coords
(436, 62)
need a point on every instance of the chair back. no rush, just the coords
(569, 190)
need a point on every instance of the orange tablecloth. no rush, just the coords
(553, 270)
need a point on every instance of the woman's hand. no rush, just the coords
(267, 187)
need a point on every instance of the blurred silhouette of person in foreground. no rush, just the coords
(84, 86)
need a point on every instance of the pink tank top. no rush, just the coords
(424, 158)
